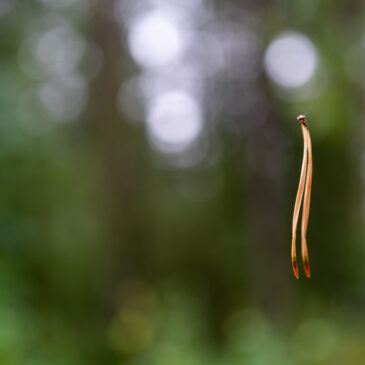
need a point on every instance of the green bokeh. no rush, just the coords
(111, 254)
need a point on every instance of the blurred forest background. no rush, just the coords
(149, 161)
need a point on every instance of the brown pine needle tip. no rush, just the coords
(295, 267)
(306, 266)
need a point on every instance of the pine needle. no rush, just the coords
(305, 182)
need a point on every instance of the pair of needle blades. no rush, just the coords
(305, 185)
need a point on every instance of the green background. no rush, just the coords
(111, 255)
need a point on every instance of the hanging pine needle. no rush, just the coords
(305, 186)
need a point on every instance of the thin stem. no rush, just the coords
(298, 202)
(306, 204)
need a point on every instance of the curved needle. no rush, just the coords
(298, 201)
(306, 204)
